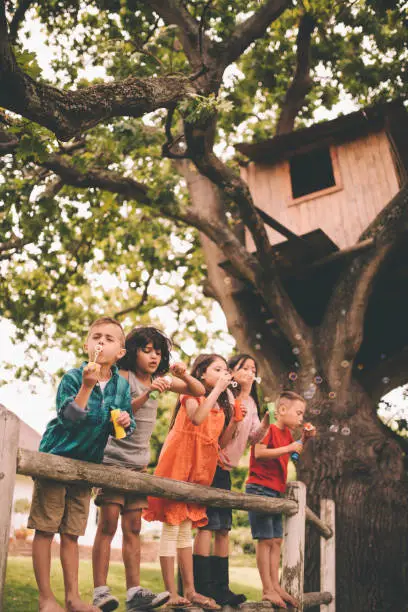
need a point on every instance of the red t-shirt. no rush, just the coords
(271, 473)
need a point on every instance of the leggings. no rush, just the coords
(174, 537)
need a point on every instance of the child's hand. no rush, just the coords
(244, 409)
(309, 431)
(161, 384)
(295, 447)
(90, 375)
(123, 419)
(179, 369)
(245, 378)
(223, 381)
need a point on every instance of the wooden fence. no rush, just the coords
(16, 460)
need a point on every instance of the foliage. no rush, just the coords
(22, 506)
(87, 252)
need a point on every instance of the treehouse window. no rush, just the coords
(311, 172)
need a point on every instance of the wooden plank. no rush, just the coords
(322, 528)
(310, 600)
(9, 434)
(328, 555)
(62, 469)
(293, 566)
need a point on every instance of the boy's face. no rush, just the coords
(291, 413)
(110, 338)
(148, 359)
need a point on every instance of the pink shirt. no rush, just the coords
(248, 430)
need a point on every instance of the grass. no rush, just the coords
(21, 589)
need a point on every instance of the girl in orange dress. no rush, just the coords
(190, 454)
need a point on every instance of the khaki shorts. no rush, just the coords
(126, 501)
(58, 507)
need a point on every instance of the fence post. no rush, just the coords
(293, 566)
(328, 555)
(9, 436)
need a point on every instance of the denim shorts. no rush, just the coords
(264, 526)
(220, 519)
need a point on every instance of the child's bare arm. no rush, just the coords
(263, 453)
(183, 382)
(197, 412)
(160, 384)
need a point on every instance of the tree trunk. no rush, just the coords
(356, 462)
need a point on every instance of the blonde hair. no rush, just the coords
(110, 320)
(288, 395)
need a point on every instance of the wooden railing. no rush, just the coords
(16, 460)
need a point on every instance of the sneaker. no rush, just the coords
(106, 601)
(144, 599)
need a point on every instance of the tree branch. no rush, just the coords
(301, 83)
(18, 17)
(342, 328)
(174, 13)
(98, 178)
(250, 30)
(266, 279)
(113, 182)
(143, 298)
(68, 113)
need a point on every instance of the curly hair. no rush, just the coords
(138, 339)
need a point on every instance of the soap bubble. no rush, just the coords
(343, 312)
(345, 431)
(258, 379)
(345, 363)
(360, 366)
(332, 395)
(258, 336)
(308, 394)
(296, 350)
(318, 380)
(296, 364)
(257, 347)
(386, 380)
(334, 428)
(293, 376)
(298, 336)
(313, 370)
(315, 411)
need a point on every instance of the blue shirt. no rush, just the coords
(83, 434)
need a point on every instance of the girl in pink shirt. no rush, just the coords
(249, 429)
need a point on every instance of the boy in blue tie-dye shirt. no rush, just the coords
(85, 398)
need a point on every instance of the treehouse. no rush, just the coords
(318, 190)
(325, 184)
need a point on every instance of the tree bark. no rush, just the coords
(357, 462)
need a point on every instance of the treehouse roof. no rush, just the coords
(342, 129)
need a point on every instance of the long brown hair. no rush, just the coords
(200, 365)
(239, 361)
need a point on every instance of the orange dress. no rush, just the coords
(190, 454)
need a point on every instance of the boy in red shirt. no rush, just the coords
(268, 470)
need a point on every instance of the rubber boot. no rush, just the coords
(222, 593)
(203, 582)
